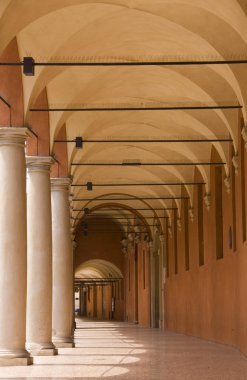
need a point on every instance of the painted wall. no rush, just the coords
(210, 300)
(137, 284)
(11, 79)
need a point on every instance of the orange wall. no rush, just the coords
(142, 260)
(11, 78)
(143, 280)
(210, 301)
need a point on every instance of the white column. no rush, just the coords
(13, 248)
(74, 246)
(39, 255)
(62, 307)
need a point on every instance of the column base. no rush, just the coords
(44, 352)
(42, 349)
(64, 345)
(10, 362)
(63, 342)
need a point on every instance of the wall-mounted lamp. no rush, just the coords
(89, 186)
(78, 142)
(28, 66)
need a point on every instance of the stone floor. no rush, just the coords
(122, 351)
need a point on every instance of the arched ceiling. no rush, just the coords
(97, 269)
(134, 30)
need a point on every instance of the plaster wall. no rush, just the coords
(209, 301)
(143, 285)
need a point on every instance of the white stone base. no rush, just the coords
(44, 352)
(9, 362)
(64, 345)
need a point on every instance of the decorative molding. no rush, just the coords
(131, 237)
(39, 163)
(124, 243)
(244, 135)
(124, 251)
(137, 228)
(191, 214)
(137, 238)
(170, 231)
(60, 184)
(179, 224)
(207, 200)
(156, 229)
(13, 136)
(162, 238)
(227, 182)
(235, 163)
(146, 238)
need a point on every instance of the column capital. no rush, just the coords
(60, 184)
(39, 163)
(74, 245)
(207, 200)
(13, 136)
(235, 162)
(162, 238)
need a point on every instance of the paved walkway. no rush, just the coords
(122, 351)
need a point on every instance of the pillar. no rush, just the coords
(13, 248)
(74, 245)
(39, 255)
(62, 307)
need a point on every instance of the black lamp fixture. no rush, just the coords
(89, 186)
(28, 66)
(78, 142)
(86, 211)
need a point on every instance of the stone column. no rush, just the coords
(62, 264)
(74, 245)
(13, 248)
(39, 255)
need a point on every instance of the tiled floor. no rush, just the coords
(122, 351)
